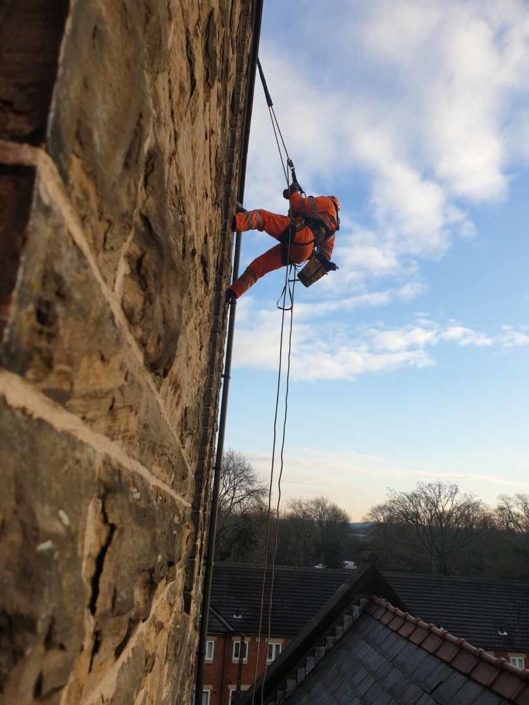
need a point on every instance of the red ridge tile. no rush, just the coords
(508, 685)
(431, 643)
(396, 623)
(480, 666)
(419, 634)
(523, 697)
(387, 617)
(464, 661)
(485, 673)
(377, 614)
(447, 651)
(406, 629)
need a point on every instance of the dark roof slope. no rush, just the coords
(340, 608)
(298, 595)
(475, 609)
(472, 608)
(373, 664)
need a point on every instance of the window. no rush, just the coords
(517, 661)
(274, 649)
(237, 651)
(210, 649)
(205, 697)
(232, 698)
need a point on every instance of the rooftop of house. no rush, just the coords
(489, 613)
(360, 650)
(388, 657)
(298, 594)
(493, 614)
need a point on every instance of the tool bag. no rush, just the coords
(317, 266)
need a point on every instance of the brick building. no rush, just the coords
(491, 615)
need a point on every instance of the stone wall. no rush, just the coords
(120, 140)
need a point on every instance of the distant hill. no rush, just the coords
(360, 527)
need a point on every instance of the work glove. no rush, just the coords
(294, 187)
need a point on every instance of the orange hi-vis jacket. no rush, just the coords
(303, 238)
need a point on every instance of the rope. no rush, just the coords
(284, 309)
(281, 468)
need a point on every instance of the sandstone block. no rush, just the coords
(93, 553)
(66, 340)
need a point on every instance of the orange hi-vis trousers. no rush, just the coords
(301, 246)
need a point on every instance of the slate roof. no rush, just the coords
(372, 664)
(364, 581)
(298, 594)
(472, 608)
(376, 654)
(217, 624)
(467, 607)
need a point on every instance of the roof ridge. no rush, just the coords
(459, 578)
(447, 647)
(289, 568)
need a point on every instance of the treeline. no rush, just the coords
(437, 529)
(309, 532)
(434, 529)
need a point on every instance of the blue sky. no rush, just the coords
(411, 362)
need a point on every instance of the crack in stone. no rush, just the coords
(95, 648)
(131, 628)
(100, 564)
(190, 53)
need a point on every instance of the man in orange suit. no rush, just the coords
(312, 224)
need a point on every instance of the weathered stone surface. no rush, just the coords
(65, 338)
(89, 549)
(44, 507)
(120, 139)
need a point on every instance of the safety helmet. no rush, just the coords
(336, 201)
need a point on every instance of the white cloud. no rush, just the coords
(353, 480)
(407, 292)
(330, 349)
(402, 339)
(456, 68)
(414, 98)
(514, 338)
(473, 477)
(465, 336)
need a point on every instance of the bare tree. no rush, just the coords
(296, 537)
(434, 528)
(241, 492)
(512, 514)
(315, 531)
(333, 529)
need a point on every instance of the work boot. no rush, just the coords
(230, 296)
(239, 208)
